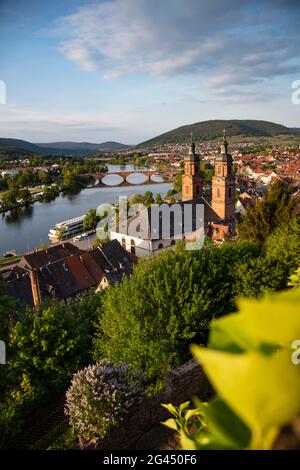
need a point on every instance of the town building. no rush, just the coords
(159, 227)
(63, 272)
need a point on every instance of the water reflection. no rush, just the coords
(15, 216)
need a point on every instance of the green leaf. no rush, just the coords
(263, 390)
(170, 408)
(170, 423)
(272, 321)
(226, 427)
(184, 405)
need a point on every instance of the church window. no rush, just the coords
(124, 243)
(160, 246)
(218, 192)
(219, 170)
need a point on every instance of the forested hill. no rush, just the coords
(209, 130)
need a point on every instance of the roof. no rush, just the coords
(71, 275)
(160, 221)
(218, 231)
(39, 258)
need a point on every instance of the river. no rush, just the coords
(24, 229)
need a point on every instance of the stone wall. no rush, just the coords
(181, 385)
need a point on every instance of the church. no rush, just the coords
(161, 226)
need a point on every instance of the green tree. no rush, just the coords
(275, 209)
(25, 196)
(46, 346)
(148, 198)
(60, 233)
(177, 185)
(271, 271)
(91, 219)
(159, 199)
(71, 180)
(149, 319)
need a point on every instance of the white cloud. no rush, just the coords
(236, 43)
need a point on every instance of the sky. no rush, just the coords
(127, 70)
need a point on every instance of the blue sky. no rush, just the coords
(128, 70)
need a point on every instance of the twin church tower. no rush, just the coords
(223, 184)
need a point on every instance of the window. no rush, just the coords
(218, 192)
(124, 243)
(219, 170)
(132, 247)
(160, 246)
(173, 242)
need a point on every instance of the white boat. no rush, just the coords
(66, 229)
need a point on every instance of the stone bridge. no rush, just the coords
(166, 175)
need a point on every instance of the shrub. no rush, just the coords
(99, 397)
(150, 318)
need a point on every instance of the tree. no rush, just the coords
(159, 199)
(25, 196)
(44, 177)
(46, 346)
(91, 219)
(275, 209)
(7, 312)
(10, 197)
(60, 233)
(148, 198)
(177, 185)
(72, 181)
(150, 318)
(271, 271)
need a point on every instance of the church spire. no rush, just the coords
(192, 146)
(224, 144)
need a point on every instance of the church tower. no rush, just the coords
(223, 186)
(192, 182)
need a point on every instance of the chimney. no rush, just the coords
(35, 288)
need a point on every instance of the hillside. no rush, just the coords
(85, 146)
(59, 148)
(209, 130)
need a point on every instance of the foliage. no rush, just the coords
(249, 364)
(99, 397)
(50, 193)
(186, 420)
(149, 319)
(295, 279)
(177, 185)
(280, 257)
(45, 347)
(277, 208)
(159, 199)
(209, 130)
(147, 199)
(60, 233)
(91, 219)
(7, 312)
